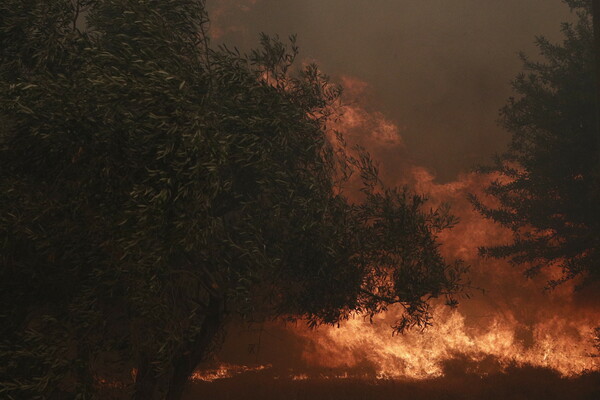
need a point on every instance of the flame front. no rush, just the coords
(224, 371)
(557, 344)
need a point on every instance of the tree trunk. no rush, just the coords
(145, 381)
(185, 365)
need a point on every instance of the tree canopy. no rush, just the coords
(151, 185)
(546, 183)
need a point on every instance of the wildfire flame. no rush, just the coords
(225, 371)
(558, 344)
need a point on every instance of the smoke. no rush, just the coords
(221, 12)
(438, 69)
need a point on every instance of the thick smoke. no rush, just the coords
(439, 69)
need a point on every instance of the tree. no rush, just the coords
(546, 183)
(151, 186)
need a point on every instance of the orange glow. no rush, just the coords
(225, 371)
(360, 125)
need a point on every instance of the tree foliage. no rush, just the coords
(546, 183)
(151, 185)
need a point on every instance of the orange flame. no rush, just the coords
(422, 355)
(224, 371)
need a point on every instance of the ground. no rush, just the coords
(515, 384)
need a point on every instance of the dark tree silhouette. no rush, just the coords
(151, 186)
(547, 184)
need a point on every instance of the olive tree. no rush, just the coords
(152, 185)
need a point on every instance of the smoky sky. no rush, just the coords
(439, 69)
